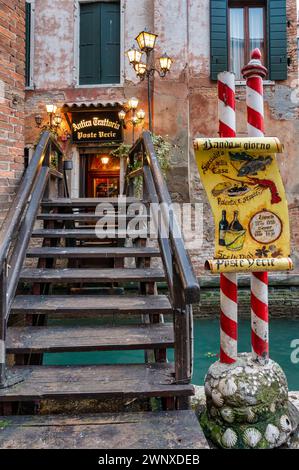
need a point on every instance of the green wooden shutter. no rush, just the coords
(90, 47)
(110, 43)
(277, 40)
(27, 43)
(218, 37)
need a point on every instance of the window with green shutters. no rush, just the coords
(236, 27)
(218, 37)
(28, 45)
(99, 43)
(277, 38)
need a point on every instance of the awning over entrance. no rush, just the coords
(94, 104)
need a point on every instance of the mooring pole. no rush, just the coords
(254, 72)
(228, 281)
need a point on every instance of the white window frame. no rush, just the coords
(77, 51)
(31, 65)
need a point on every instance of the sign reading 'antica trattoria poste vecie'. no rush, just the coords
(96, 126)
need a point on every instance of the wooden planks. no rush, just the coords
(90, 252)
(90, 217)
(65, 275)
(39, 339)
(90, 304)
(89, 202)
(94, 382)
(147, 430)
(90, 233)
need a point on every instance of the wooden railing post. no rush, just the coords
(3, 312)
(130, 183)
(182, 329)
(182, 283)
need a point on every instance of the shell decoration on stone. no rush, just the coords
(208, 389)
(213, 411)
(227, 387)
(227, 414)
(251, 416)
(229, 438)
(285, 423)
(252, 437)
(217, 398)
(272, 434)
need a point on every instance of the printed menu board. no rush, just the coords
(246, 193)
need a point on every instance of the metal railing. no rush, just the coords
(18, 224)
(182, 283)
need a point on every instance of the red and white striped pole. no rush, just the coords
(254, 72)
(228, 281)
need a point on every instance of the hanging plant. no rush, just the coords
(54, 161)
(121, 151)
(162, 148)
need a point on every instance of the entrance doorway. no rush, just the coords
(100, 175)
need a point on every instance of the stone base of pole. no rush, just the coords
(247, 405)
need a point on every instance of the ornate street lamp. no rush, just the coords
(165, 64)
(140, 114)
(146, 42)
(136, 118)
(134, 55)
(55, 120)
(133, 103)
(51, 110)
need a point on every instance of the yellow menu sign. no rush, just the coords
(247, 197)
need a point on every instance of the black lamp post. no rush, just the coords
(146, 42)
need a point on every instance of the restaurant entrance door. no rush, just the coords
(100, 175)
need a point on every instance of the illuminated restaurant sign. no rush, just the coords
(96, 126)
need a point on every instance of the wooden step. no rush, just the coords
(90, 304)
(92, 275)
(88, 202)
(94, 382)
(91, 217)
(142, 430)
(39, 339)
(89, 233)
(92, 252)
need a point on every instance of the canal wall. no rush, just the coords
(283, 296)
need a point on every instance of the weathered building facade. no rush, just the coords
(62, 44)
(12, 63)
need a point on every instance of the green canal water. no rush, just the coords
(206, 345)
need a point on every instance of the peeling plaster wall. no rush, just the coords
(185, 102)
(54, 48)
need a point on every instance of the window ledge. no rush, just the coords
(243, 82)
(101, 85)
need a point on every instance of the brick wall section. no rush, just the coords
(12, 66)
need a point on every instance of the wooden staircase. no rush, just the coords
(73, 275)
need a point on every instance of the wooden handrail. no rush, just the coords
(17, 227)
(187, 276)
(182, 283)
(24, 236)
(13, 217)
